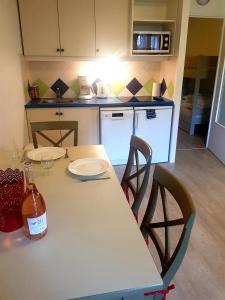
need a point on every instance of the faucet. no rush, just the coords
(58, 93)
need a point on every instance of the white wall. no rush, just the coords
(11, 84)
(178, 68)
(215, 8)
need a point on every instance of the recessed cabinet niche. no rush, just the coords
(84, 28)
(156, 16)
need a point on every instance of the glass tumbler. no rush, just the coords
(47, 161)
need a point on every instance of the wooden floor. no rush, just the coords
(202, 273)
(187, 142)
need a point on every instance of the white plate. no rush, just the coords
(88, 166)
(39, 153)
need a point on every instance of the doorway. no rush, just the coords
(202, 51)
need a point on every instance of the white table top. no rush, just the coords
(93, 245)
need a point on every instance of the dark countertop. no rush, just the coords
(100, 102)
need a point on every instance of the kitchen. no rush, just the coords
(106, 63)
(49, 70)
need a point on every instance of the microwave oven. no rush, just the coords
(151, 42)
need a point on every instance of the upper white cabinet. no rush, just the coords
(40, 32)
(112, 27)
(75, 27)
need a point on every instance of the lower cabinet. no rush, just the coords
(153, 124)
(88, 123)
(43, 115)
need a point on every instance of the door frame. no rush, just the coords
(218, 79)
(217, 68)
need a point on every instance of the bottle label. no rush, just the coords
(37, 225)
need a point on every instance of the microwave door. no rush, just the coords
(161, 42)
(155, 43)
(140, 42)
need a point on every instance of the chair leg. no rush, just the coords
(147, 241)
(136, 216)
(125, 190)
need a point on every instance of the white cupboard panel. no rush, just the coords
(39, 22)
(43, 115)
(155, 131)
(112, 27)
(88, 124)
(77, 27)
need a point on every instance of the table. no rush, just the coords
(93, 246)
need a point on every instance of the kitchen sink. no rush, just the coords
(73, 100)
(57, 100)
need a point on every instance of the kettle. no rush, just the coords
(103, 90)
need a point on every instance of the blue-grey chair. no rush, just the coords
(163, 182)
(136, 176)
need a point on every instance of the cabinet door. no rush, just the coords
(43, 115)
(39, 22)
(88, 124)
(112, 27)
(116, 131)
(77, 27)
(155, 130)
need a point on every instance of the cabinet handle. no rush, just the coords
(56, 113)
(62, 50)
(60, 113)
(97, 50)
(58, 50)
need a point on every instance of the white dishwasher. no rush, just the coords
(153, 124)
(116, 128)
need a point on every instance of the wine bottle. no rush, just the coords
(33, 208)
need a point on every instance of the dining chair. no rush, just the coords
(39, 127)
(135, 178)
(173, 194)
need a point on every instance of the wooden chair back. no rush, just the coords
(136, 176)
(163, 181)
(39, 127)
